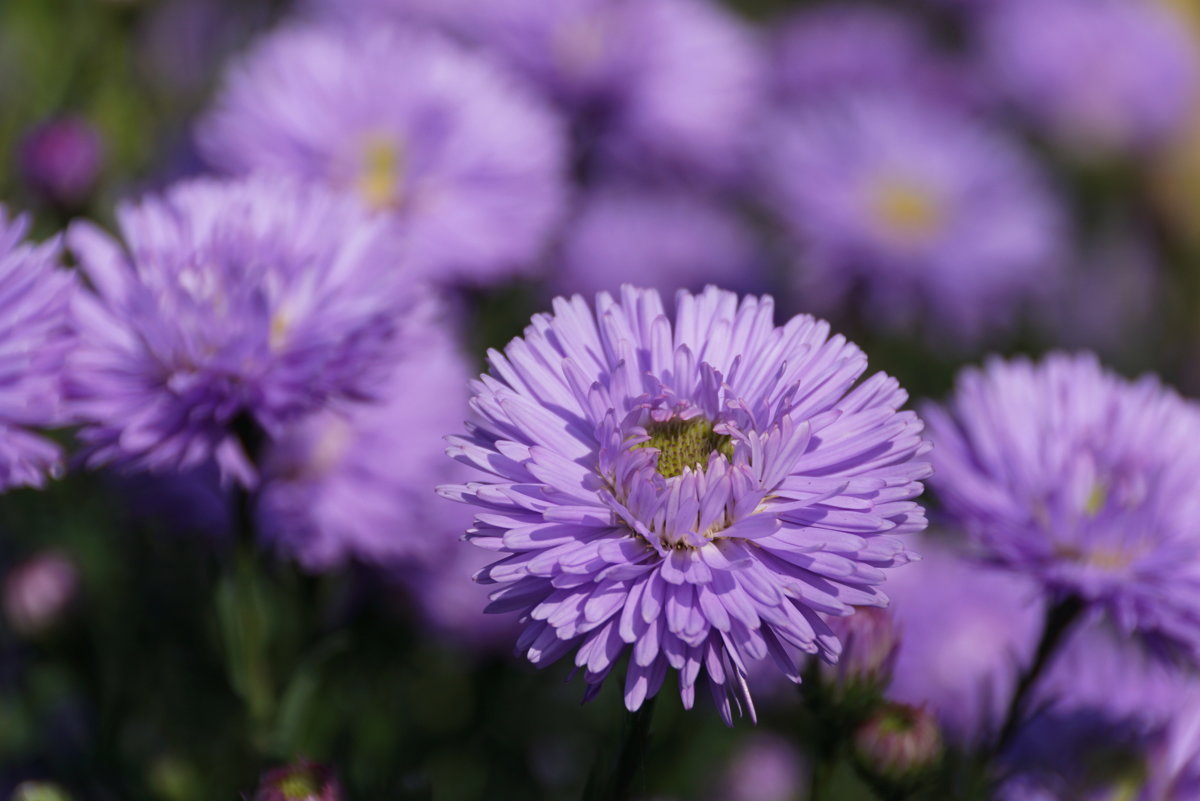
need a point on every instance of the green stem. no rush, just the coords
(1060, 618)
(615, 782)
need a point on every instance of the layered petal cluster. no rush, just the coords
(35, 336)
(1105, 75)
(1083, 480)
(462, 157)
(658, 86)
(663, 238)
(230, 307)
(695, 491)
(927, 216)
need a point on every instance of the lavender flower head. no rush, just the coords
(1087, 482)
(661, 238)
(253, 302)
(828, 50)
(35, 336)
(965, 631)
(658, 86)
(696, 491)
(1098, 75)
(381, 460)
(468, 163)
(927, 214)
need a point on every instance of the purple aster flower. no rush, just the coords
(35, 336)
(1085, 481)
(697, 491)
(468, 163)
(380, 459)
(921, 214)
(965, 631)
(60, 160)
(653, 85)
(660, 238)
(825, 51)
(260, 301)
(1098, 75)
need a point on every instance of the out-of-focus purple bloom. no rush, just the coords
(823, 52)
(898, 743)
(921, 214)
(1098, 75)
(1115, 724)
(467, 162)
(302, 781)
(765, 768)
(381, 460)
(695, 491)
(262, 300)
(665, 239)
(965, 632)
(1098, 670)
(35, 336)
(1085, 481)
(60, 160)
(870, 643)
(190, 502)
(653, 85)
(38, 591)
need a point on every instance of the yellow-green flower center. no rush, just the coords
(380, 176)
(685, 443)
(907, 209)
(300, 786)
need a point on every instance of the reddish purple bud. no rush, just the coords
(869, 642)
(60, 160)
(38, 592)
(300, 781)
(898, 744)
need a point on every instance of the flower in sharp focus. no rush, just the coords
(656, 237)
(966, 630)
(35, 336)
(1106, 76)
(695, 491)
(1085, 481)
(464, 159)
(231, 303)
(922, 214)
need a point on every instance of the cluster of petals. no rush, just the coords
(1084, 480)
(35, 336)
(230, 308)
(706, 569)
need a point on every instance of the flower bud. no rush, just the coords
(39, 791)
(898, 745)
(300, 781)
(869, 644)
(38, 592)
(60, 161)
